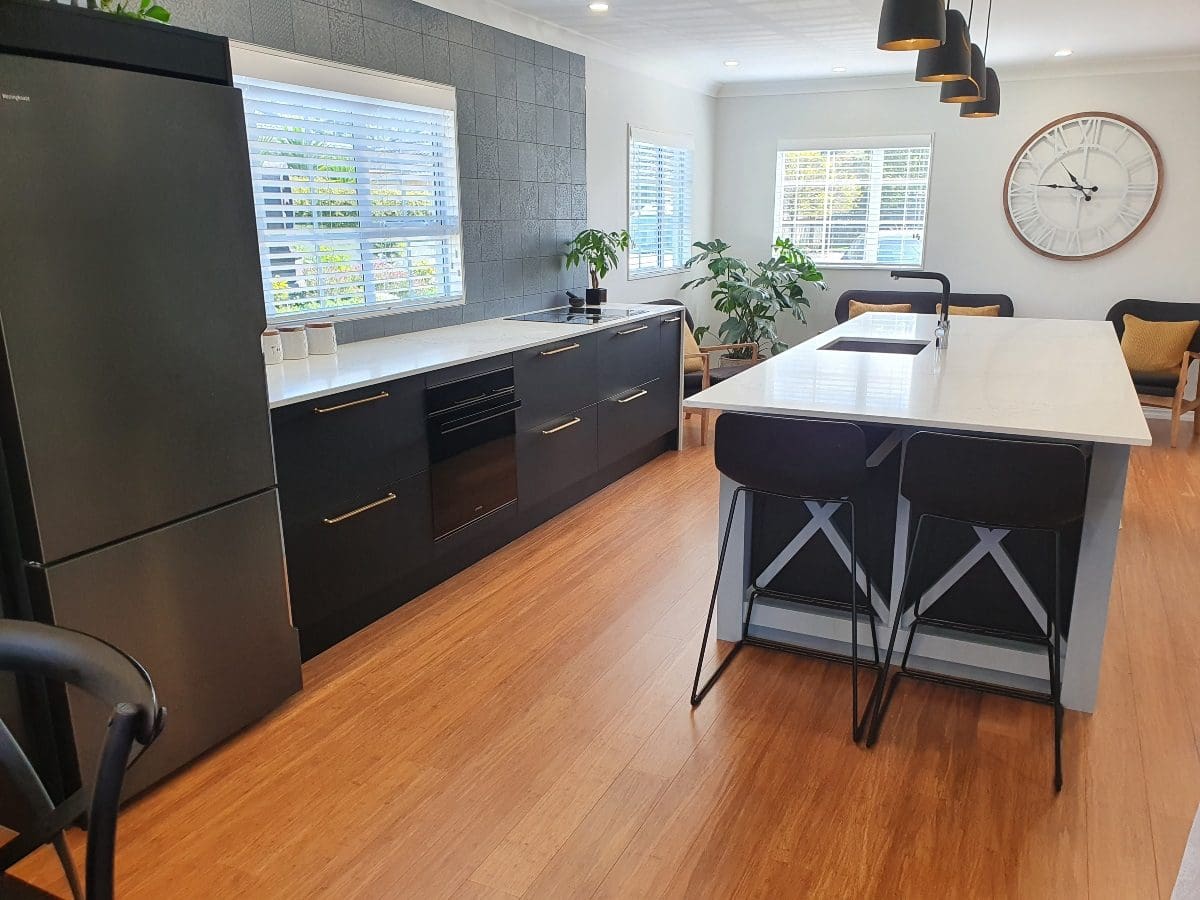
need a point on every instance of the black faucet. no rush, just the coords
(943, 326)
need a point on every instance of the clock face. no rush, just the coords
(1083, 186)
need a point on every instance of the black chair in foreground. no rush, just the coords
(796, 459)
(105, 673)
(990, 483)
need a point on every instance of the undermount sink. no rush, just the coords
(877, 345)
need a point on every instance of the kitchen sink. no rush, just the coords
(877, 345)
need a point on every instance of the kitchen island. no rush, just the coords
(1044, 379)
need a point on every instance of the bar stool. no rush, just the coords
(999, 484)
(795, 459)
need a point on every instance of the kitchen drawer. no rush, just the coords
(627, 356)
(345, 445)
(670, 346)
(554, 379)
(554, 455)
(634, 418)
(345, 553)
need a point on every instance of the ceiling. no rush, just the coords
(791, 39)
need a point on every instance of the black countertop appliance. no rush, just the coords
(138, 486)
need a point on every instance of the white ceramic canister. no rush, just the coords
(295, 341)
(272, 347)
(322, 338)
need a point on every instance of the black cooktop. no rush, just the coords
(574, 315)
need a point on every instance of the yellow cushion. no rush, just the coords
(993, 311)
(1156, 347)
(691, 352)
(857, 309)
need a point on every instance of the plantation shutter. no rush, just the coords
(660, 202)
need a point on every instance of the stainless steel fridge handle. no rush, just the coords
(362, 509)
(382, 395)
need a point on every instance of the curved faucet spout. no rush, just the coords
(944, 316)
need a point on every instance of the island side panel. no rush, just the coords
(1093, 580)
(735, 576)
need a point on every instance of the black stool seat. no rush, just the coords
(797, 459)
(999, 484)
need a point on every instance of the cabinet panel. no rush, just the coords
(633, 419)
(339, 447)
(344, 554)
(627, 356)
(554, 455)
(555, 379)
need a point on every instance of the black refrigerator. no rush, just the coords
(139, 483)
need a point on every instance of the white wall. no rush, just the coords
(616, 99)
(967, 236)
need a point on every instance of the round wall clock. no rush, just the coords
(1083, 186)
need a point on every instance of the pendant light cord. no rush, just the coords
(987, 33)
(971, 14)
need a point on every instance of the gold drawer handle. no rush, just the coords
(559, 350)
(564, 426)
(633, 330)
(362, 509)
(671, 320)
(633, 397)
(382, 395)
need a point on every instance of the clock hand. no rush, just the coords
(1074, 180)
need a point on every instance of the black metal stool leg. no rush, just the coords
(884, 690)
(697, 691)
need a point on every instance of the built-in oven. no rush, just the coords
(472, 429)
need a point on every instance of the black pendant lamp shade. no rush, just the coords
(969, 90)
(990, 104)
(952, 60)
(912, 24)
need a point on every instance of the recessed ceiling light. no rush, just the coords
(839, 68)
(1065, 51)
(732, 63)
(598, 6)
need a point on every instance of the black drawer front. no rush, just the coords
(634, 418)
(342, 555)
(554, 455)
(332, 448)
(554, 379)
(627, 356)
(670, 346)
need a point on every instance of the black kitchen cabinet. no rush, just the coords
(555, 379)
(334, 449)
(670, 347)
(554, 455)
(628, 356)
(634, 418)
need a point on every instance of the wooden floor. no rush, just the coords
(524, 731)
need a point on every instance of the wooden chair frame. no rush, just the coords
(705, 357)
(1179, 405)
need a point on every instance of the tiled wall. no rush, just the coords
(521, 125)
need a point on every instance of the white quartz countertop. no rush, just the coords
(1051, 378)
(365, 363)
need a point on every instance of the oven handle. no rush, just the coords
(471, 421)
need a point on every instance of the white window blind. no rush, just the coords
(855, 203)
(660, 202)
(355, 188)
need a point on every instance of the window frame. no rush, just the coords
(307, 74)
(675, 140)
(868, 142)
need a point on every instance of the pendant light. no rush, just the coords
(952, 60)
(990, 104)
(969, 90)
(912, 24)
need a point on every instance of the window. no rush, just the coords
(355, 181)
(855, 203)
(660, 202)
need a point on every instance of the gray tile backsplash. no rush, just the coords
(522, 153)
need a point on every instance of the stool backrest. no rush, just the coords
(921, 301)
(794, 457)
(995, 481)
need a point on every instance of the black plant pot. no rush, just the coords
(596, 296)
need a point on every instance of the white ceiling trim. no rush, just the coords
(498, 15)
(1008, 73)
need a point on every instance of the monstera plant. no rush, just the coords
(751, 297)
(133, 9)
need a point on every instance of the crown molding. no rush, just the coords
(1027, 72)
(498, 15)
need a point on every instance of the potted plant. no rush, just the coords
(598, 251)
(134, 9)
(751, 297)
